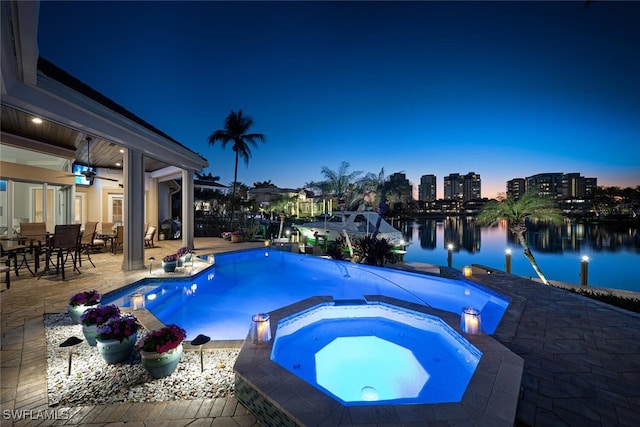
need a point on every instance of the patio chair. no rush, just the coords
(148, 238)
(5, 268)
(87, 242)
(107, 228)
(35, 236)
(65, 247)
(118, 241)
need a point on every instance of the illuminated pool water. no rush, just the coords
(220, 301)
(376, 354)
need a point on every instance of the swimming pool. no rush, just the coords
(220, 301)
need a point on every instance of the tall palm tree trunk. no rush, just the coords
(235, 182)
(529, 256)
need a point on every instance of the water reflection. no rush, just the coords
(571, 236)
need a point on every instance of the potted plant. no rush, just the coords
(94, 317)
(184, 255)
(169, 263)
(236, 237)
(80, 302)
(117, 337)
(161, 350)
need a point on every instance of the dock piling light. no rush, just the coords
(70, 342)
(449, 255)
(199, 341)
(470, 321)
(507, 261)
(467, 270)
(260, 332)
(584, 270)
(137, 301)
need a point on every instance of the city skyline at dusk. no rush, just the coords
(502, 89)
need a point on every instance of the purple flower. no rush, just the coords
(163, 339)
(118, 328)
(85, 298)
(99, 314)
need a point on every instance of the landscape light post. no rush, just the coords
(584, 270)
(507, 261)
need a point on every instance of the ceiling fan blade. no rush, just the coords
(107, 179)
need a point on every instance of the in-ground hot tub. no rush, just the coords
(278, 397)
(375, 353)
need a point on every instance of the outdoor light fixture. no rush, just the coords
(507, 261)
(449, 255)
(467, 271)
(212, 259)
(470, 321)
(70, 342)
(37, 120)
(260, 332)
(584, 270)
(201, 340)
(137, 301)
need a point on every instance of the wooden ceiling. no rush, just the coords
(103, 154)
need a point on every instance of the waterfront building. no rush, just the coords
(516, 187)
(427, 188)
(557, 185)
(403, 185)
(462, 188)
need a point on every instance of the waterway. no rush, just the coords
(613, 249)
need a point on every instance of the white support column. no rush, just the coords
(133, 248)
(187, 209)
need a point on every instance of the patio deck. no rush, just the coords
(581, 357)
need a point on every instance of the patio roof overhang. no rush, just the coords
(34, 87)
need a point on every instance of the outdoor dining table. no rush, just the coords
(108, 238)
(14, 247)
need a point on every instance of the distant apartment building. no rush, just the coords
(576, 186)
(555, 184)
(516, 187)
(427, 188)
(547, 184)
(462, 187)
(405, 190)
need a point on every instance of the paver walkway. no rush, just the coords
(582, 357)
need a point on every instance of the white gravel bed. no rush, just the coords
(93, 381)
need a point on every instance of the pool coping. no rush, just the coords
(491, 397)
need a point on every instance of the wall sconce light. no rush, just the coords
(507, 261)
(449, 255)
(260, 332)
(470, 321)
(467, 270)
(137, 301)
(584, 270)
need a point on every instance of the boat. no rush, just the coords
(357, 224)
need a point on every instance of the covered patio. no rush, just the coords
(71, 155)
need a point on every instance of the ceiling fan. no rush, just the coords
(89, 172)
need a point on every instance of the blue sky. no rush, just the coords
(503, 89)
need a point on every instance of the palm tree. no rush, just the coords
(516, 212)
(236, 128)
(340, 183)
